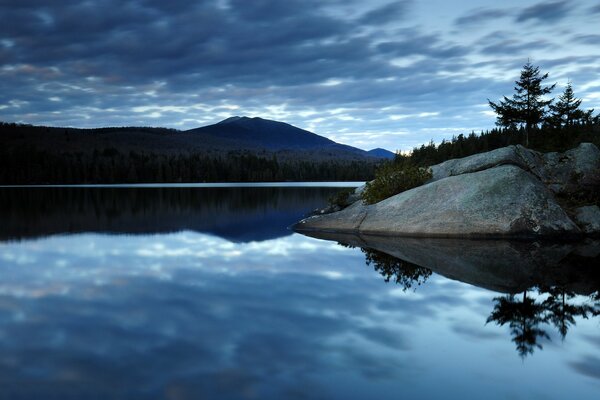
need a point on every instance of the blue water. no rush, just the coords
(189, 293)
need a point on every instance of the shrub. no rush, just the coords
(394, 177)
(340, 199)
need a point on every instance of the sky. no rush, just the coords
(378, 73)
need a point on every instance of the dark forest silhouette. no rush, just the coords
(31, 163)
(238, 214)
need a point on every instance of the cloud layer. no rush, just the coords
(360, 73)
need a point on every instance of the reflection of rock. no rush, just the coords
(499, 265)
(504, 193)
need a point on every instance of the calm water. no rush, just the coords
(189, 293)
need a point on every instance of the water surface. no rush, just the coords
(187, 293)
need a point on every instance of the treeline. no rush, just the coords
(28, 164)
(544, 139)
(528, 118)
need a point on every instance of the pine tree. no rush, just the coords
(566, 110)
(526, 107)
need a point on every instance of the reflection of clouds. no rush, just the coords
(589, 366)
(68, 259)
(287, 318)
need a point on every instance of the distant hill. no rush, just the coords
(264, 133)
(382, 153)
(258, 133)
(238, 149)
(235, 134)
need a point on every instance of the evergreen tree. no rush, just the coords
(566, 110)
(526, 108)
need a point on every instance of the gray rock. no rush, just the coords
(347, 220)
(356, 195)
(506, 192)
(504, 201)
(518, 155)
(575, 170)
(588, 219)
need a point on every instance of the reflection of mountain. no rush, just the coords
(237, 214)
(558, 272)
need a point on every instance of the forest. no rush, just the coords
(32, 165)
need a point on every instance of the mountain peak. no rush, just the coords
(230, 120)
(382, 153)
(264, 133)
(243, 132)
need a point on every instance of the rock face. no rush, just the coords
(574, 170)
(561, 172)
(508, 192)
(588, 218)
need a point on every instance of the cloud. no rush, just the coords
(588, 366)
(546, 12)
(515, 47)
(392, 12)
(591, 39)
(595, 9)
(269, 58)
(412, 42)
(480, 16)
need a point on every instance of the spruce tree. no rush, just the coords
(526, 107)
(566, 110)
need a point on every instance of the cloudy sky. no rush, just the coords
(381, 73)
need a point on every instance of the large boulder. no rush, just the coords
(507, 192)
(505, 201)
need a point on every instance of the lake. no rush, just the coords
(203, 292)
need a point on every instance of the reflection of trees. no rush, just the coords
(523, 317)
(546, 304)
(396, 270)
(595, 298)
(34, 212)
(562, 314)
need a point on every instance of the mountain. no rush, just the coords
(235, 134)
(382, 153)
(264, 133)
(258, 133)
(238, 149)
